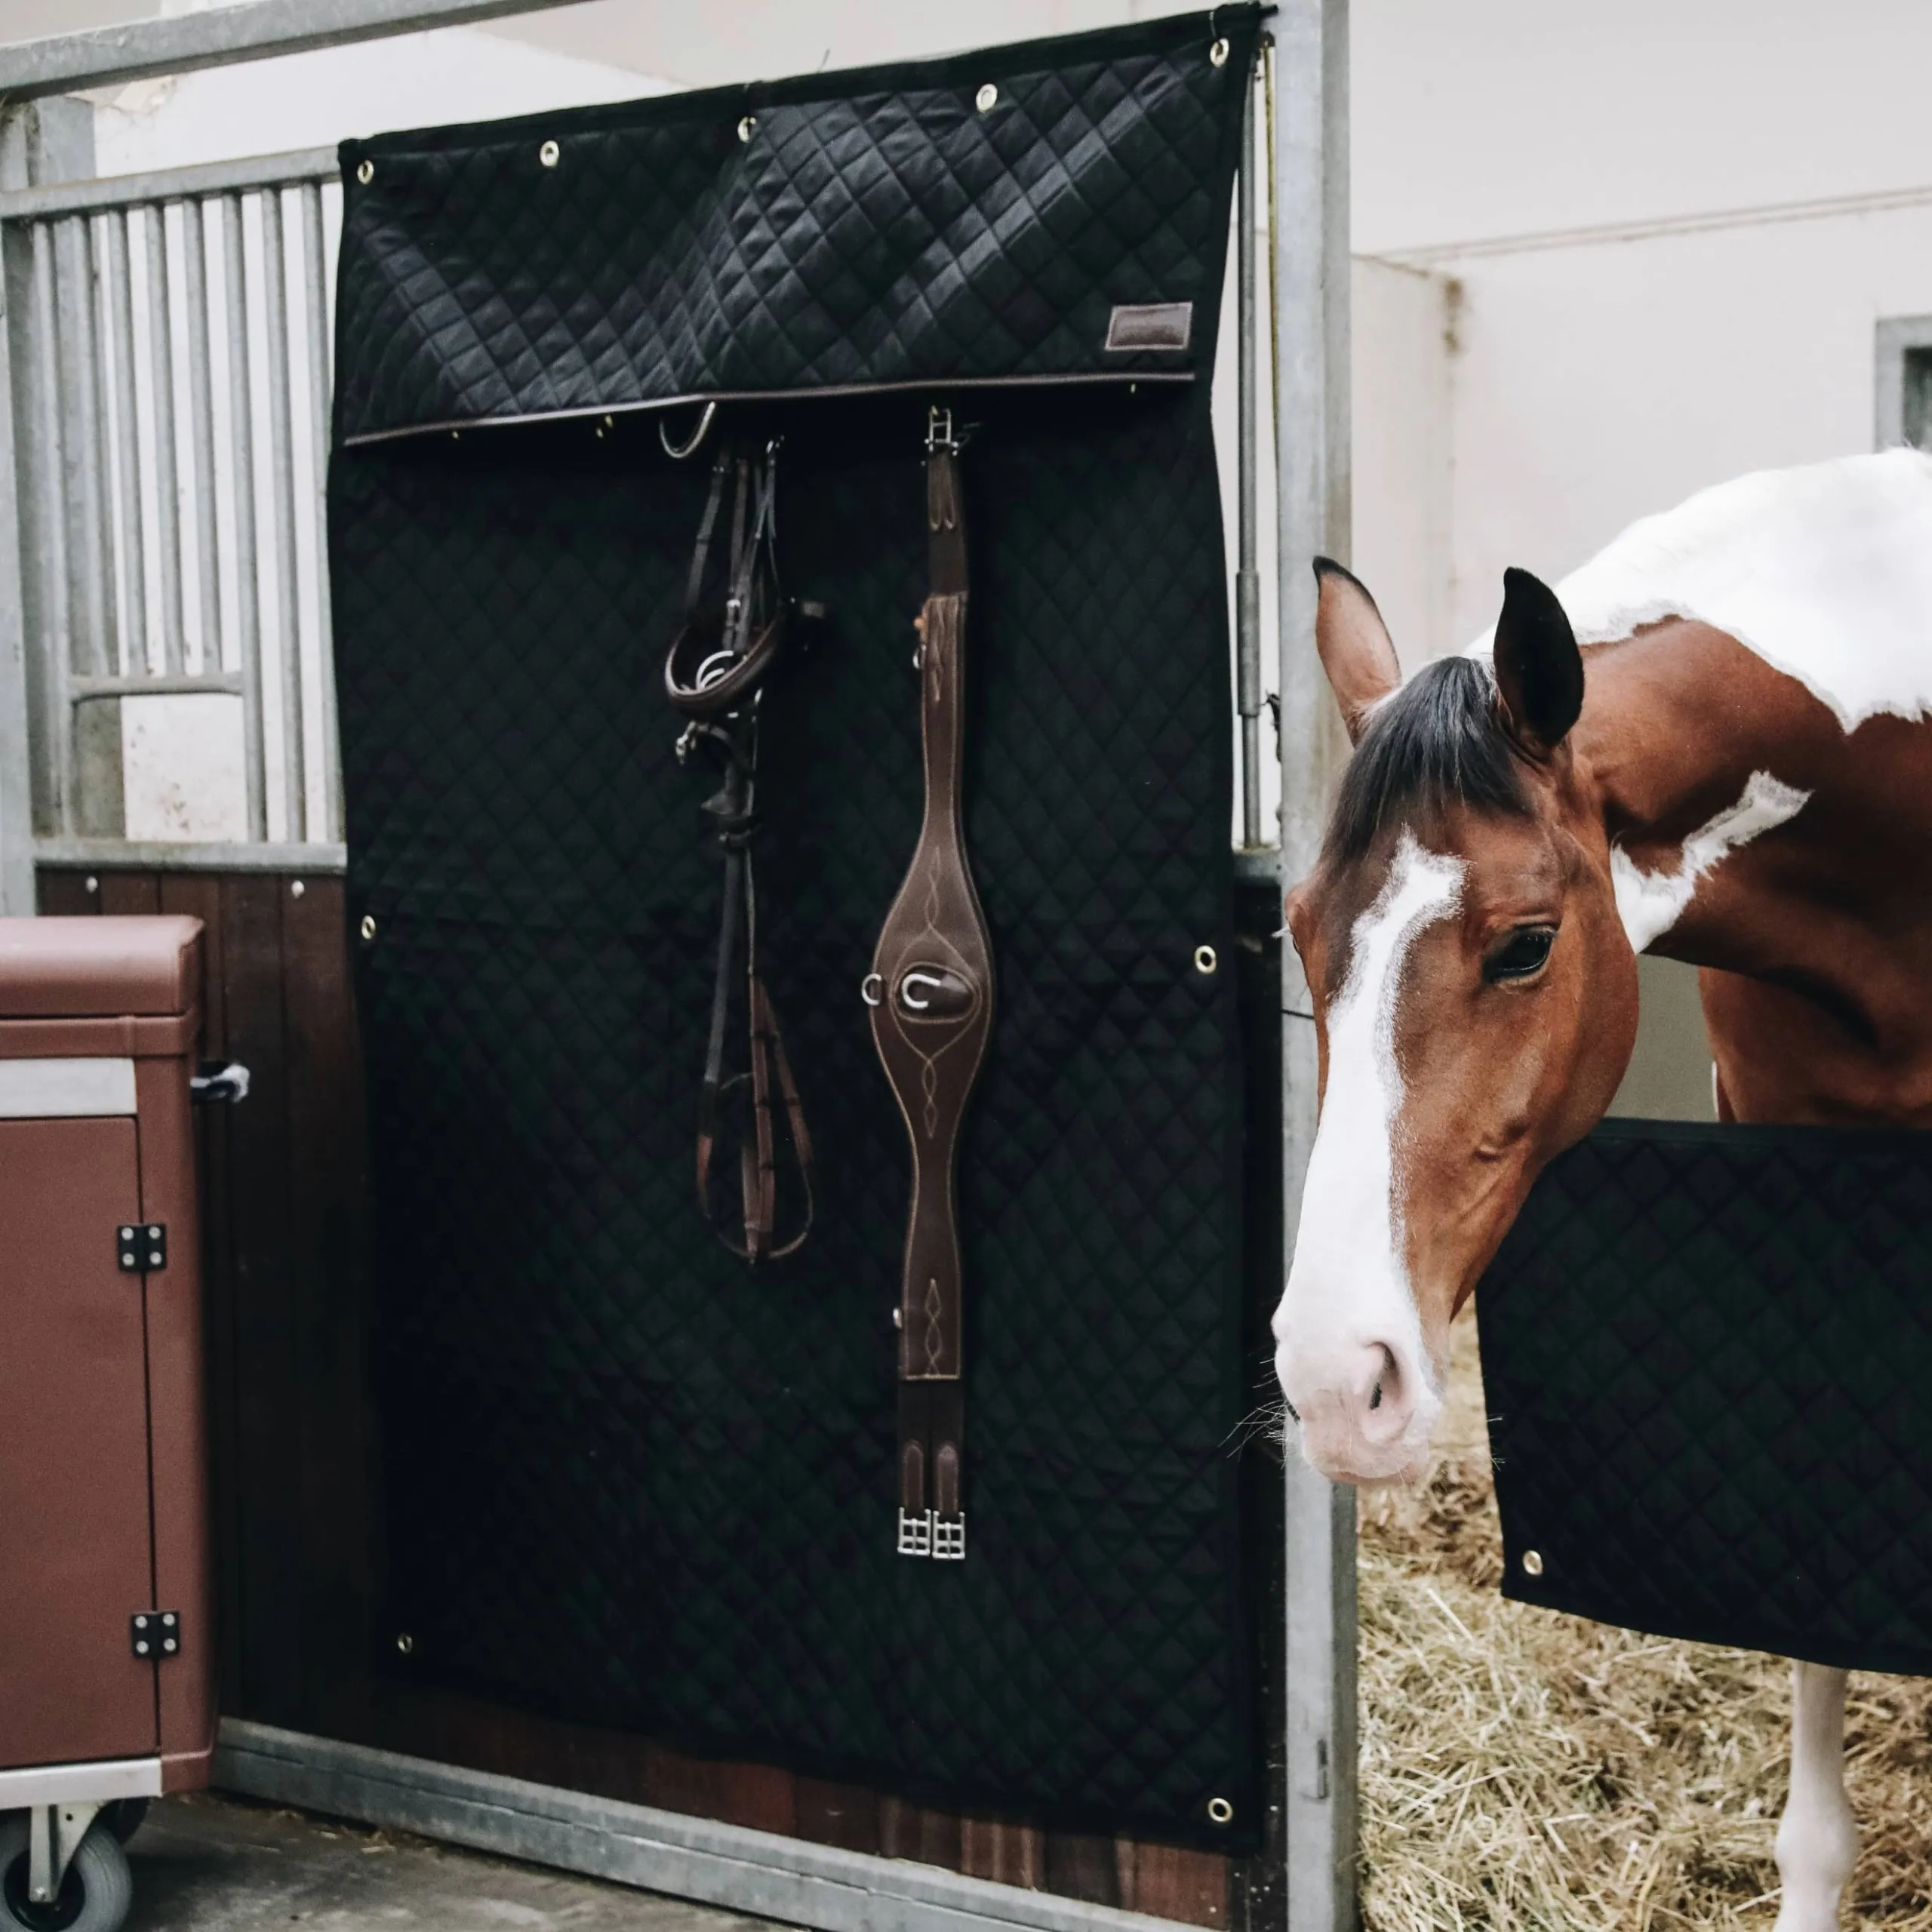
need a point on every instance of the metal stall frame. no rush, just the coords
(1310, 235)
(1306, 71)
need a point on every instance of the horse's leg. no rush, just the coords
(1753, 1041)
(1817, 1840)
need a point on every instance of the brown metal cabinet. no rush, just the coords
(106, 1667)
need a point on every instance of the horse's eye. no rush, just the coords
(1523, 953)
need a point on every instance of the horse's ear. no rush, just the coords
(1539, 669)
(1354, 644)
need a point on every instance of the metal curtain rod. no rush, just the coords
(254, 30)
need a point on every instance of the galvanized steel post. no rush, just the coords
(1311, 266)
(17, 880)
(42, 143)
(1247, 577)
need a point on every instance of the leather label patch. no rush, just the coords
(1167, 326)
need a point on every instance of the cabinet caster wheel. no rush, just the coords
(123, 1816)
(94, 1896)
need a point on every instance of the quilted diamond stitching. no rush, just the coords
(630, 1481)
(882, 233)
(1707, 1354)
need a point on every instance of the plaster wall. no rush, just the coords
(1596, 384)
(1405, 321)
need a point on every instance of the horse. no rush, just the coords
(1712, 742)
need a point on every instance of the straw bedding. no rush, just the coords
(1524, 1770)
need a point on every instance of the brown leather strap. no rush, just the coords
(720, 655)
(713, 673)
(931, 996)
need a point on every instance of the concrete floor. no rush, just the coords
(207, 1863)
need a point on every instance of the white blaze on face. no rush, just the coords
(1348, 1298)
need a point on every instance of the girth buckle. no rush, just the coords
(926, 1533)
(940, 433)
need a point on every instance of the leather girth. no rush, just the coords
(931, 996)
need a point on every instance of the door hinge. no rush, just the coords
(141, 1248)
(155, 1633)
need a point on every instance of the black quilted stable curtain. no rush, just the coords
(1707, 1355)
(630, 1481)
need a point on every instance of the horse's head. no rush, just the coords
(1474, 1001)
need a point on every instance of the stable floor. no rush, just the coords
(216, 1864)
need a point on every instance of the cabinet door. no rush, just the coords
(75, 1560)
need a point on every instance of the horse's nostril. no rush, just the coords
(1375, 1400)
(1294, 1415)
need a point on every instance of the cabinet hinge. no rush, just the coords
(155, 1633)
(141, 1248)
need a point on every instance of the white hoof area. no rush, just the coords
(1817, 1850)
(1807, 1914)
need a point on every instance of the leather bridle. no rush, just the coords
(714, 674)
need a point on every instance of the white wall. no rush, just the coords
(317, 100)
(1595, 384)
(1491, 117)
(1404, 325)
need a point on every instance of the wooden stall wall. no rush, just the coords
(295, 1475)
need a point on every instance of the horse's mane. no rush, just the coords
(1434, 743)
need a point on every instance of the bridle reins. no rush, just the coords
(714, 675)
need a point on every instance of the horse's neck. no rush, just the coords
(1697, 749)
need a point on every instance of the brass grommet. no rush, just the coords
(987, 99)
(748, 126)
(1217, 54)
(1532, 1563)
(368, 926)
(404, 1642)
(1220, 1811)
(549, 154)
(1205, 959)
(365, 173)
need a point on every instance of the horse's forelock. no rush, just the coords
(1436, 743)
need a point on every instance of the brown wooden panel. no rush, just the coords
(1171, 1882)
(1008, 1853)
(64, 895)
(130, 892)
(846, 1815)
(268, 1371)
(759, 1795)
(910, 1831)
(199, 895)
(325, 1283)
(1080, 1867)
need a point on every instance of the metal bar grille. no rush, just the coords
(175, 327)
